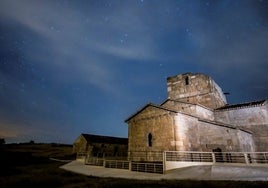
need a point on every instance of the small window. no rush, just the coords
(150, 139)
(186, 80)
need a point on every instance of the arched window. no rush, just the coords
(186, 80)
(150, 139)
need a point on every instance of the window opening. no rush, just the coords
(187, 80)
(150, 138)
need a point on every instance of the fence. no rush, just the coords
(160, 162)
(148, 156)
(94, 161)
(188, 156)
(147, 167)
(135, 166)
(81, 156)
(151, 167)
(180, 159)
(116, 164)
(247, 158)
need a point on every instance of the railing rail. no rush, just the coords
(147, 167)
(189, 156)
(81, 155)
(148, 156)
(160, 162)
(94, 161)
(218, 157)
(116, 164)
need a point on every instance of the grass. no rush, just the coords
(28, 165)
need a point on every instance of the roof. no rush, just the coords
(180, 101)
(149, 104)
(225, 125)
(104, 139)
(242, 105)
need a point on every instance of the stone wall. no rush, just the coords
(154, 121)
(205, 113)
(187, 134)
(182, 132)
(197, 135)
(99, 149)
(108, 150)
(191, 109)
(228, 139)
(246, 141)
(252, 118)
(80, 145)
(244, 116)
(196, 89)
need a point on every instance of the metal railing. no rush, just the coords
(157, 162)
(257, 157)
(94, 161)
(116, 164)
(248, 158)
(148, 156)
(81, 156)
(147, 167)
(188, 156)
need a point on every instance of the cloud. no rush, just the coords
(82, 52)
(130, 52)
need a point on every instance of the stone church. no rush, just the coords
(197, 117)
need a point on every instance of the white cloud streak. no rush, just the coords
(83, 49)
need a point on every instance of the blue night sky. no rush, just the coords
(72, 67)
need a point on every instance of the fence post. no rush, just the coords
(164, 162)
(246, 158)
(213, 157)
(129, 165)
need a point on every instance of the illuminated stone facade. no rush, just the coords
(196, 117)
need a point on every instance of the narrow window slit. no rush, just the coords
(150, 139)
(187, 80)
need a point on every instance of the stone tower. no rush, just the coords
(197, 89)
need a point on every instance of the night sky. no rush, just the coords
(72, 67)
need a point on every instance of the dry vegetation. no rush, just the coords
(29, 165)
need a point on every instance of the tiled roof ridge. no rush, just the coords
(242, 105)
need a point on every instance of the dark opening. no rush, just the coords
(187, 80)
(218, 154)
(150, 138)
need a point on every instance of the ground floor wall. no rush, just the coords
(80, 145)
(108, 150)
(184, 133)
(193, 134)
(253, 118)
(151, 130)
(260, 136)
